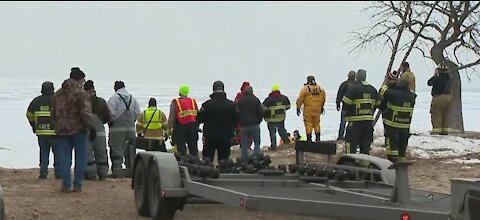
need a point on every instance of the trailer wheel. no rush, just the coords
(160, 208)
(141, 190)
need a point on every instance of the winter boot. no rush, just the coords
(317, 137)
(309, 137)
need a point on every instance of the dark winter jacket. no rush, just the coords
(440, 84)
(343, 89)
(72, 110)
(250, 110)
(100, 108)
(397, 107)
(39, 115)
(360, 102)
(276, 106)
(219, 117)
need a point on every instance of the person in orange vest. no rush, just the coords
(183, 120)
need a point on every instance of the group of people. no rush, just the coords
(73, 118)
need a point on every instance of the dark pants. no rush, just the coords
(272, 128)
(221, 146)
(156, 145)
(343, 123)
(65, 146)
(184, 135)
(396, 141)
(359, 134)
(46, 143)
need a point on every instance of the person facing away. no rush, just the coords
(152, 125)
(360, 103)
(397, 107)
(312, 97)
(342, 89)
(238, 134)
(183, 120)
(219, 118)
(276, 106)
(97, 162)
(39, 117)
(73, 118)
(441, 100)
(125, 111)
(250, 114)
(407, 74)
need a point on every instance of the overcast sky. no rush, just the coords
(190, 42)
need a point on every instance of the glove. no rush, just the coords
(298, 112)
(93, 134)
(323, 111)
(338, 107)
(33, 129)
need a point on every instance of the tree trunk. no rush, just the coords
(456, 112)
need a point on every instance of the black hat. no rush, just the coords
(118, 85)
(88, 85)
(218, 86)
(152, 102)
(47, 87)
(76, 73)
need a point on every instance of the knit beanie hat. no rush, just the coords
(218, 86)
(88, 85)
(118, 85)
(47, 87)
(76, 73)
(184, 89)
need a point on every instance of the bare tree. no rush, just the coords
(445, 32)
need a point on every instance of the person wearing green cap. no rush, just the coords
(276, 106)
(183, 122)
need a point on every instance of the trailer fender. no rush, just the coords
(169, 171)
(380, 163)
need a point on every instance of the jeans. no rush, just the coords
(247, 133)
(47, 142)
(343, 123)
(272, 128)
(65, 146)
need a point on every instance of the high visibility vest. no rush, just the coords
(152, 115)
(186, 110)
(43, 121)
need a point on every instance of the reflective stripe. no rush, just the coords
(400, 109)
(360, 118)
(186, 112)
(365, 101)
(278, 107)
(188, 115)
(395, 124)
(276, 119)
(383, 89)
(347, 100)
(392, 152)
(45, 132)
(30, 116)
(303, 138)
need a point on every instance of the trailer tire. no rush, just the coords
(160, 208)
(140, 181)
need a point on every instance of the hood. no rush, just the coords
(244, 84)
(124, 93)
(217, 95)
(70, 84)
(274, 94)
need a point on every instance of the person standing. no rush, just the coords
(341, 92)
(397, 110)
(407, 74)
(97, 163)
(276, 106)
(219, 118)
(312, 97)
(360, 103)
(441, 100)
(152, 125)
(238, 133)
(125, 111)
(72, 117)
(183, 120)
(39, 117)
(250, 114)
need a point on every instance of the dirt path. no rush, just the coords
(26, 197)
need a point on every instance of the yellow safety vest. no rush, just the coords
(154, 114)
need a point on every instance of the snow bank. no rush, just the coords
(428, 146)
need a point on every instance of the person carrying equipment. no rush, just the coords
(312, 97)
(152, 125)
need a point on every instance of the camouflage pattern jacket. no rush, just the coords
(72, 110)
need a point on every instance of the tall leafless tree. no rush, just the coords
(445, 32)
